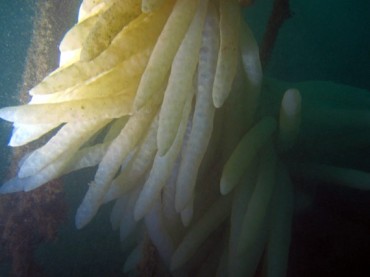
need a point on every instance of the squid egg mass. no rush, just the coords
(163, 97)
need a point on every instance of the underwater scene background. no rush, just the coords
(322, 40)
